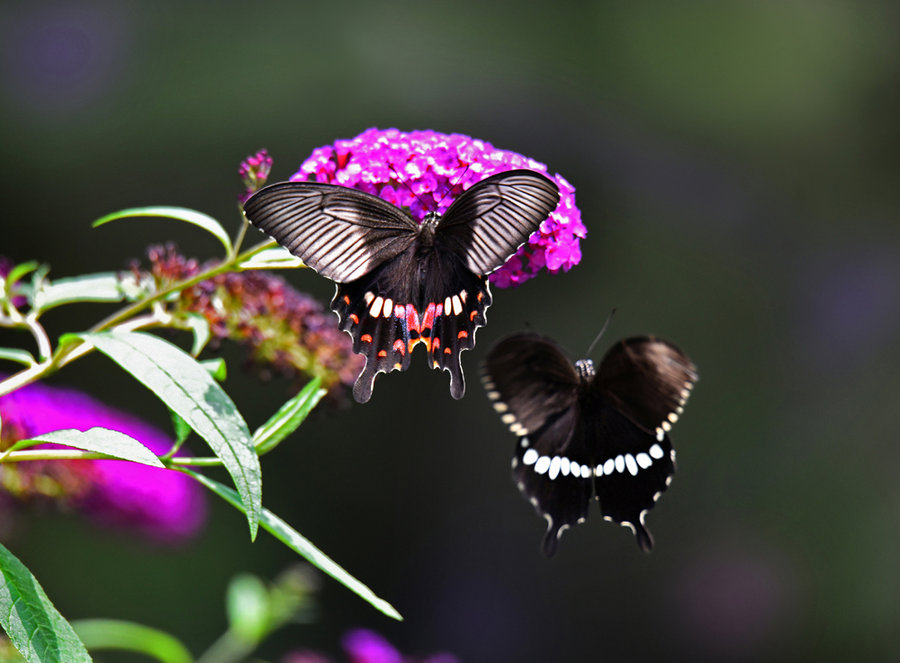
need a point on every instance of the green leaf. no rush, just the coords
(288, 418)
(273, 258)
(217, 368)
(189, 391)
(100, 287)
(178, 213)
(114, 634)
(199, 326)
(20, 270)
(33, 624)
(181, 427)
(247, 604)
(17, 355)
(302, 546)
(100, 440)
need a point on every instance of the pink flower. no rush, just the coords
(254, 171)
(163, 505)
(425, 171)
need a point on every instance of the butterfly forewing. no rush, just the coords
(339, 232)
(648, 379)
(492, 219)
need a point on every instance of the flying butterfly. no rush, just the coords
(401, 283)
(582, 433)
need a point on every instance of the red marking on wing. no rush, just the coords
(399, 346)
(463, 334)
(472, 314)
(353, 317)
(382, 353)
(366, 338)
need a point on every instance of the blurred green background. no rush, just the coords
(736, 165)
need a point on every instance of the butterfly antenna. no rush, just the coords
(602, 330)
(406, 184)
(453, 186)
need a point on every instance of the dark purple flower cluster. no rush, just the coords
(163, 505)
(285, 330)
(425, 171)
(254, 172)
(364, 646)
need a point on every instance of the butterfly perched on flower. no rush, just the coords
(582, 433)
(401, 283)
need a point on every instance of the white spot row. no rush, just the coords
(562, 466)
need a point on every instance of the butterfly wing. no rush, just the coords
(535, 389)
(648, 379)
(492, 219)
(341, 233)
(638, 392)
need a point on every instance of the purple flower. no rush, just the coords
(364, 646)
(425, 171)
(163, 505)
(254, 171)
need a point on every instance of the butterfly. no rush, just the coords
(582, 433)
(400, 283)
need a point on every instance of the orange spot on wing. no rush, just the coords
(354, 318)
(472, 315)
(366, 338)
(399, 346)
(347, 300)
(463, 334)
(382, 353)
(448, 351)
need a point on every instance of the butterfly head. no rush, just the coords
(585, 368)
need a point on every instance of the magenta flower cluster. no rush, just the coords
(425, 171)
(162, 505)
(364, 646)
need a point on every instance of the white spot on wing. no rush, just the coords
(375, 311)
(530, 457)
(631, 464)
(554, 468)
(388, 307)
(368, 297)
(457, 305)
(620, 463)
(609, 466)
(508, 418)
(644, 460)
(564, 466)
(656, 451)
(542, 464)
(500, 407)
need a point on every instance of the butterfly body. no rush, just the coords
(583, 434)
(400, 283)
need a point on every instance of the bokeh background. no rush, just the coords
(737, 168)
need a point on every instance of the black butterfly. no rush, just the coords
(581, 434)
(401, 283)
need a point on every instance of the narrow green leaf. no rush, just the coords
(33, 624)
(20, 270)
(189, 390)
(178, 213)
(274, 258)
(17, 355)
(100, 440)
(302, 546)
(288, 418)
(217, 368)
(100, 287)
(199, 326)
(114, 634)
(181, 427)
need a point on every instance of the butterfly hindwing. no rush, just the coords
(493, 218)
(440, 306)
(339, 232)
(581, 434)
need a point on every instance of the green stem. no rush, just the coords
(72, 351)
